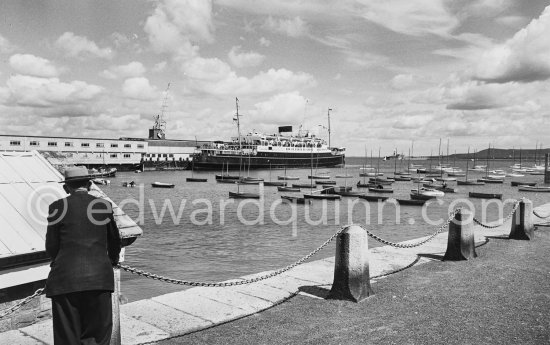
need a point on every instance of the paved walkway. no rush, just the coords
(176, 314)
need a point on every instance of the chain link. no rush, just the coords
(233, 283)
(413, 245)
(538, 215)
(503, 221)
(19, 305)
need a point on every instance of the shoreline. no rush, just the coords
(199, 308)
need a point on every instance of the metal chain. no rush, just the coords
(17, 306)
(412, 245)
(233, 283)
(538, 215)
(503, 221)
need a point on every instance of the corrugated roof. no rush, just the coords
(28, 184)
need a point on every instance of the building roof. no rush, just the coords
(28, 184)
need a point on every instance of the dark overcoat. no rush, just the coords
(83, 242)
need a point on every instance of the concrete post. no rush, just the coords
(461, 245)
(116, 338)
(522, 222)
(351, 266)
(546, 172)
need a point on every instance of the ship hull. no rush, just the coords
(235, 162)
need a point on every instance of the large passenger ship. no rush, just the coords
(261, 151)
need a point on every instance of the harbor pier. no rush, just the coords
(164, 318)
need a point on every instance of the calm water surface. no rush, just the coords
(227, 248)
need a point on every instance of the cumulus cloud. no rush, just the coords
(5, 45)
(402, 81)
(264, 42)
(216, 77)
(523, 58)
(244, 59)
(80, 46)
(49, 92)
(132, 69)
(475, 95)
(33, 65)
(280, 109)
(411, 121)
(174, 24)
(139, 88)
(292, 27)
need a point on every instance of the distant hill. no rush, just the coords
(526, 155)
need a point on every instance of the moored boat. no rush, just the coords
(323, 196)
(485, 195)
(425, 193)
(304, 185)
(196, 179)
(274, 183)
(162, 185)
(318, 177)
(540, 189)
(380, 189)
(286, 177)
(411, 202)
(522, 183)
(295, 199)
(243, 195)
(373, 197)
(288, 189)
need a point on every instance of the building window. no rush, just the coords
(170, 155)
(128, 146)
(164, 155)
(99, 145)
(140, 146)
(126, 155)
(52, 143)
(113, 155)
(34, 143)
(15, 143)
(85, 144)
(68, 144)
(114, 145)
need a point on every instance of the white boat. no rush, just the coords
(496, 177)
(425, 193)
(540, 189)
(513, 174)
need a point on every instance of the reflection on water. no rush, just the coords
(180, 247)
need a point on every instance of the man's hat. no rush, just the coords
(76, 174)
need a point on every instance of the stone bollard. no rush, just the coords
(461, 245)
(351, 266)
(522, 222)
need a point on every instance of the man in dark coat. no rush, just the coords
(84, 243)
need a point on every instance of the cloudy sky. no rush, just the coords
(392, 71)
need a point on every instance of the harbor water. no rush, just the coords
(209, 237)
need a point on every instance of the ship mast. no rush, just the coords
(328, 116)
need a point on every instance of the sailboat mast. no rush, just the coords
(467, 162)
(237, 118)
(487, 166)
(378, 162)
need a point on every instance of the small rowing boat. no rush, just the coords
(485, 195)
(162, 185)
